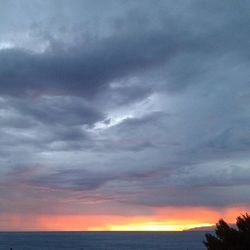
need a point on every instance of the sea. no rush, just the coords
(102, 240)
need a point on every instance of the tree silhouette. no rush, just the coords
(228, 238)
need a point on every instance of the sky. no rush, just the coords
(123, 114)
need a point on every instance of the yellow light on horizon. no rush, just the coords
(151, 226)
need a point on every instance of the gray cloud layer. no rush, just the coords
(137, 103)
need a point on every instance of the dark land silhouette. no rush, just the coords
(229, 238)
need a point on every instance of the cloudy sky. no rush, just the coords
(123, 112)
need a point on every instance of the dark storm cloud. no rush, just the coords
(87, 68)
(232, 140)
(82, 71)
(57, 123)
(71, 179)
(125, 98)
(123, 94)
(58, 110)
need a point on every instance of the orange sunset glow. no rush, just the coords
(168, 219)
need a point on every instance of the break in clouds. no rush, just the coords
(123, 104)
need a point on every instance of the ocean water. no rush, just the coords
(102, 241)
